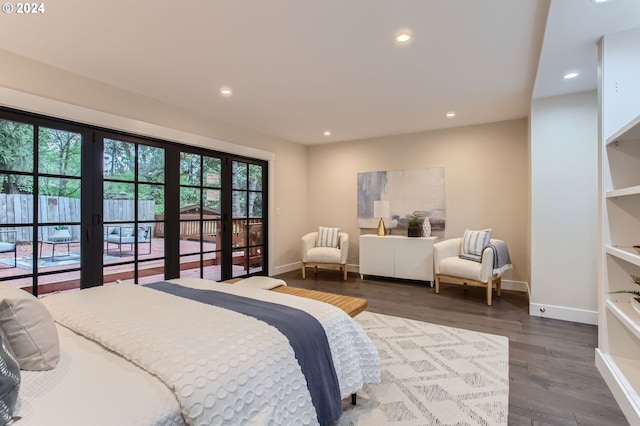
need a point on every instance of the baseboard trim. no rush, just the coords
(515, 286)
(297, 265)
(506, 284)
(563, 313)
(286, 268)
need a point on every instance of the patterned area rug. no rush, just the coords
(432, 375)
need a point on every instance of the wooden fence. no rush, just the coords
(18, 208)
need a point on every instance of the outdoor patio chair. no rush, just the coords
(8, 244)
(124, 235)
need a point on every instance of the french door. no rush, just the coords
(82, 206)
(42, 203)
(222, 227)
(132, 190)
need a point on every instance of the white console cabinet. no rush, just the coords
(397, 256)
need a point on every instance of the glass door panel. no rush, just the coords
(212, 266)
(40, 207)
(133, 211)
(212, 172)
(200, 215)
(59, 212)
(248, 224)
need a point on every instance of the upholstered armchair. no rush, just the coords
(317, 252)
(485, 271)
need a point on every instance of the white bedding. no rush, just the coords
(92, 386)
(355, 358)
(198, 351)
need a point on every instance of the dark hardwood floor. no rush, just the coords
(553, 377)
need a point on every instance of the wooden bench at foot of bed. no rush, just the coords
(351, 305)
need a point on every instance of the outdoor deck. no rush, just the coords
(151, 265)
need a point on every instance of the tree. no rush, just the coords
(119, 159)
(59, 153)
(16, 154)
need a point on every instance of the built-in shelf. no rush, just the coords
(628, 254)
(624, 192)
(629, 132)
(618, 352)
(627, 316)
(622, 376)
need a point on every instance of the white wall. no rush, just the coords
(564, 207)
(621, 84)
(32, 86)
(485, 182)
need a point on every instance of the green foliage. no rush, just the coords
(119, 160)
(16, 154)
(119, 164)
(59, 152)
(414, 221)
(635, 293)
(59, 159)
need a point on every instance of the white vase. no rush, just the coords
(635, 305)
(426, 227)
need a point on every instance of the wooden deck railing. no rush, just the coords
(245, 233)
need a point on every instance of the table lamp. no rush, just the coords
(381, 209)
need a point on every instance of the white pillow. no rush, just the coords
(474, 241)
(9, 381)
(327, 237)
(29, 328)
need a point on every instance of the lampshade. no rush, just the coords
(381, 209)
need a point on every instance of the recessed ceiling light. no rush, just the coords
(403, 37)
(570, 75)
(327, 133)
(599, 1)
(225, 91)
(451, 114)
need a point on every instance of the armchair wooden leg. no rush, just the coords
(304, 266)
(498, 286)
(489, 291)
(437, 283)
(344, 271)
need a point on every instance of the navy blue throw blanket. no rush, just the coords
(306, 336)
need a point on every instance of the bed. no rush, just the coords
(136, 355)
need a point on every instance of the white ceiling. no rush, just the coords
(300, 67)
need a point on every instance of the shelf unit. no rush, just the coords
(618, 353)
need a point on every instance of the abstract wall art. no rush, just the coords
(418, 192)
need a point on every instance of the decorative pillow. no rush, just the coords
(327, 237)
(474, 241)
(9, 381)
(115, 230)
(126, 232)
(29, 328)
